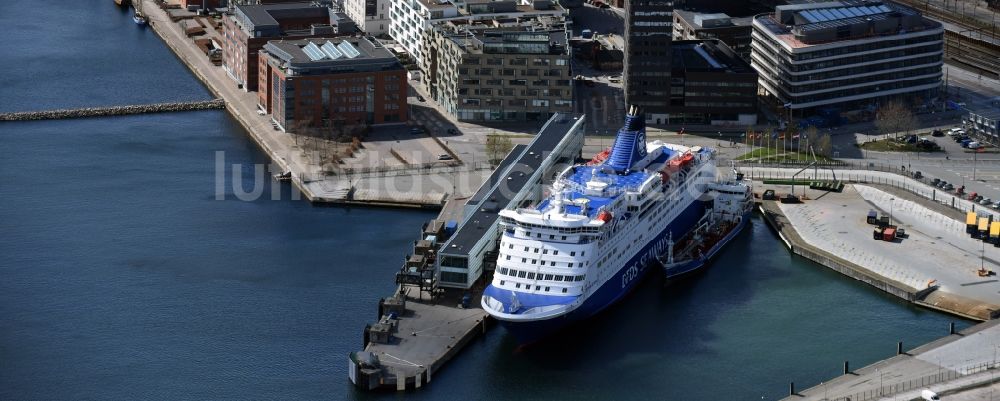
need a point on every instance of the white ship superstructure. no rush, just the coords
(588, 244)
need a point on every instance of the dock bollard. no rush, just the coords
(847, 368)
(899, 348)
(951, 328)
(791, 388)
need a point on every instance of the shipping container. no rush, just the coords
(995, 232)
(872, 217)
(889, 234)
(970, 222)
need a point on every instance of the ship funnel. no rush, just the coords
(630, 143)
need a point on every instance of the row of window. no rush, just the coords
(537, 287)
(532, 276)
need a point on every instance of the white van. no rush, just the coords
(929, 395)
(956, 132)
(973, 145)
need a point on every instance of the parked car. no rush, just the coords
(996, 205)
(453, 131)
(948, 187)
(935, 181)
(420, 98)
(986, 201)
(937, 132)
(972, 145)
(445, 156)
(917, 175)
(416, 131)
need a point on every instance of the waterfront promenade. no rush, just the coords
(399, 187)
(950, 365)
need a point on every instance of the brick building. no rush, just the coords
(331, 82)
(249, 27)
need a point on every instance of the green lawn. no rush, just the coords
(892, 145)
(771, 155)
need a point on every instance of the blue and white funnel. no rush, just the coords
(630, 143)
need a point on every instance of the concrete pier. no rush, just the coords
(934, 266)
(950, 366)
(113, 110)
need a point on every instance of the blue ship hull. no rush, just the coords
(614, 289)
(697, 263)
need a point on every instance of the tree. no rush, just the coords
(497, 147)
(893, 118)
(824, 144)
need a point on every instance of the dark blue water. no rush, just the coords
(122, 276)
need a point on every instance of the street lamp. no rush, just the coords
(891, 201)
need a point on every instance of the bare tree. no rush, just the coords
(824, 144)
(894, 117)
(497, 146)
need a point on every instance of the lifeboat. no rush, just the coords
(600, 157)
(681, 162)
(605, 216)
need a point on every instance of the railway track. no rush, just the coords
(976, 46)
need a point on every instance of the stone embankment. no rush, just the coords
(113, 110)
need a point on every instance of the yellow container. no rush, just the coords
(984, 223)
(970, 218)
(995, 229)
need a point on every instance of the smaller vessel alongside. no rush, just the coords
(731, 208)
(137, 16)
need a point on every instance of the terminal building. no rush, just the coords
(517, 182)
(847, 55)
(489, 70)
(710, 85)
(331, 83)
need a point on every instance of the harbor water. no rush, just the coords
(123, 275)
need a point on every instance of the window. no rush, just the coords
(545, 251)
(548, 277)
(502, 282)
(534, 261)
(564, 238)
(508, 257)
(552, 236)
(524, 260)
(518, 285)
(522, 274)
(538, 287)
(572, 253)
(564, 290)
(583, 253)
(536, 250)
(546, 289)
(569, 265)
(531, 276)
(526, 249)
(553, 264)
(556, 252)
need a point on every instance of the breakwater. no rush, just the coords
(113, 110)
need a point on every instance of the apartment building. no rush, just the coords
(514, 70)
(411, 20)
(371, 16)
(734, 32)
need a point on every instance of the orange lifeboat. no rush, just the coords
(604, 216)
(600, 157)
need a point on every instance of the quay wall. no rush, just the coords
(113, 110)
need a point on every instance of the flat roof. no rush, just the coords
(511, 157)
(706, 55)
(515, 179)
(353, 53)
(266, 15)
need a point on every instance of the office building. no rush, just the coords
(734, 32)
(983, 121)
(648, 33)
(248, 27)
(710, 85)
(322, 83)
(841, 56)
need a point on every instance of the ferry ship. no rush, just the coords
(591, 241)
(732, 204)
